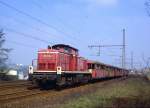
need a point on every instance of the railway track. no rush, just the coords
(16, 90)
(2, 83)
(14, 85)
(19, 95)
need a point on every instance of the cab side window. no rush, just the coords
(91, 66)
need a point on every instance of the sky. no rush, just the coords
(79, 23)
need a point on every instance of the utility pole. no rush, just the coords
(123, 51)
(132, 61)
(123, 46)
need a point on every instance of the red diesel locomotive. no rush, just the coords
(61, 65)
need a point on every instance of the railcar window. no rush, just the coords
(97, 66)
(110, 69)
(89, 66)
(102, 67)
(93, 66)
(106, 68)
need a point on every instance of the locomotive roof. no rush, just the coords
(63, 45)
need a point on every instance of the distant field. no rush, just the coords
(133, 92)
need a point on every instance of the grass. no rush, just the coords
(131, 93)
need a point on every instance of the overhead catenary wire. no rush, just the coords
(35, 19)
(21, 44)
(37, 4)
(31, 26)
(27, 35)
(34, 28)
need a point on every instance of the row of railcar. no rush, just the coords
(101, 70)
(61, 65)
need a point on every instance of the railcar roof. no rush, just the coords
(97, 62)
(63, 45)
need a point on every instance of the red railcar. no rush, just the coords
(61, 64)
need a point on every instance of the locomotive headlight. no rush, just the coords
(59, 70)
(30, 69)
(90, 70)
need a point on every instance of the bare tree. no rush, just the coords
(147, 4)
(3, 52)
(146, 61)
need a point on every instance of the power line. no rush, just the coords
(123, 46)
(34, 18)
(33, 27)
(26, 35)
(57, 18)
(21, 44)
(100, 46)
(36, 4)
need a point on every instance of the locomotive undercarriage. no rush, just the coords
(59, 80)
